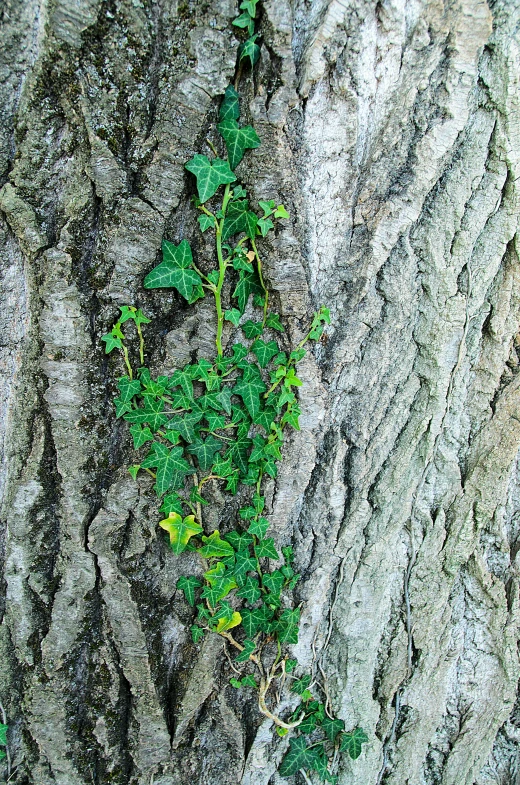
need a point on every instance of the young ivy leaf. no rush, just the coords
(259, 527)
(248, 283)
(175, 270)
(196, 633)
(230, 107)
(264, 352)
(140, 435)
(228, 624)
(249, 647)
(205, 451)
(245, 20)
(250, 387)
(237, 140)
(180, 530)
(250, 49)
(249, 681)
(168, 463)
(214, 547)
(265, 549)
(273, 321)
(233, 315)
(210, 174)
(265, 224)
(351, 742)
(112, 342)
(249, 6)
(188, 586)
(205, 222)
(332, 727)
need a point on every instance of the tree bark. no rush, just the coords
(391, 131)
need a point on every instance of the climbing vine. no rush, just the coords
(223, 420)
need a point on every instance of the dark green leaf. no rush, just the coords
(151, 413)
(239, 219)
(250, 49)
(112, 342)
(263, 351)
(175, 270)
(172, 502)
(265, 224)
(249, 681)
(265, 549)
(237, 140)
(140, 435)
(274, 581)
(250, 387)
(188, 586)
(196, 633)
(205, 221)
(259, 527)
(298, 757)
(250, 591)
(252, 329)
(185, 424)
(167, 462)
(273, 321)
(352, 742)
(205, 450)
(301, 685)
(332, 727)
(233, 315)
(230, 107)
(128, 388)
(239, 541)
(249, 647)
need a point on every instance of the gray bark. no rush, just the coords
(391, 131)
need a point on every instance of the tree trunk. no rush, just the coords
(391, 131)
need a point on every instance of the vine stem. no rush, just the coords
(260, 275)
(222, 271)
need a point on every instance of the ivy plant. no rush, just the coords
(223, 420)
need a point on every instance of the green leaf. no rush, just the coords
(224, 399)
(128, 388)
(140, 435)
(250, 387)
(264, 352)
(180, 530)
(252, 329)
(287, 626)
(244, 20)
(265, 549)
(249, 681)
(244, 564)
(210, 174)
(151, 413)
(239, 452)
(248, 283)
(236, 683)
(188, 586)
(237, 140)
(219, 589)
(281, 212)
(183, 380)
(233, 315)
(301, 685)
(259, 527)
(134, 470)
(196, 633)
(265, 224)
(352, 741)
(239, 218)
(172, 502)
(250, 49)
(249, 647)
(205, 451)
(239, 352)
(205, 222)
(253, 620)
(291, 380)
(332, 727)
(214, 547)
(249, 6)
(290, 665)
(112, 342)
(121, 408)
(299, 757)
(185, 424)
(168, 462)
(265, 418)
(239, 541)
(230, 107)
(3, 734)
(274, 581)
(175, 270)
(267, 207)
(250, 591)
(273, 321)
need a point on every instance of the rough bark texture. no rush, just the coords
(391, 131)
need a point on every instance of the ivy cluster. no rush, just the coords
(222, 420)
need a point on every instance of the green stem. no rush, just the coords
(266, 293)
(141, 343)
(127, 361)
(222, 271)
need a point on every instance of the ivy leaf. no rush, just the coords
(264, 352)
(224, 399)
(219, 589)
(299, 757)
(140, 435)
(228, 624)
(259, 527)
(237, 140)
(287, 627)
(253, 620)
(301, 685)
(188, 586)
(250, 387)
(205, 222)
(351, 742)
(249, 647)
(151, 413)
(265, 549)
(332, 727)
(252, 329)
(180, 530)
(291, 417)
(244, 564)
(244, 20)
(265, 224)
(273, 321)
(168, 462)
(267, 207)
(210, 174)
(290, 665)
(236, 683)
(249, 681)
(239, 218)
(250, 49)
(250, 591)
(230, 107)
(274, 581)
(240, 542)
(248, 284)
(196, 633)
(185, 424)
(134, 470)
(121, 408)
(205, 451)
(128, 388)
(172, 502)
(265, 418)
(175, 270)
(183, 380)
(112, 341)
(214, 547)
(3, 734)
(239, 452)
(233, 315)
(249, 6)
